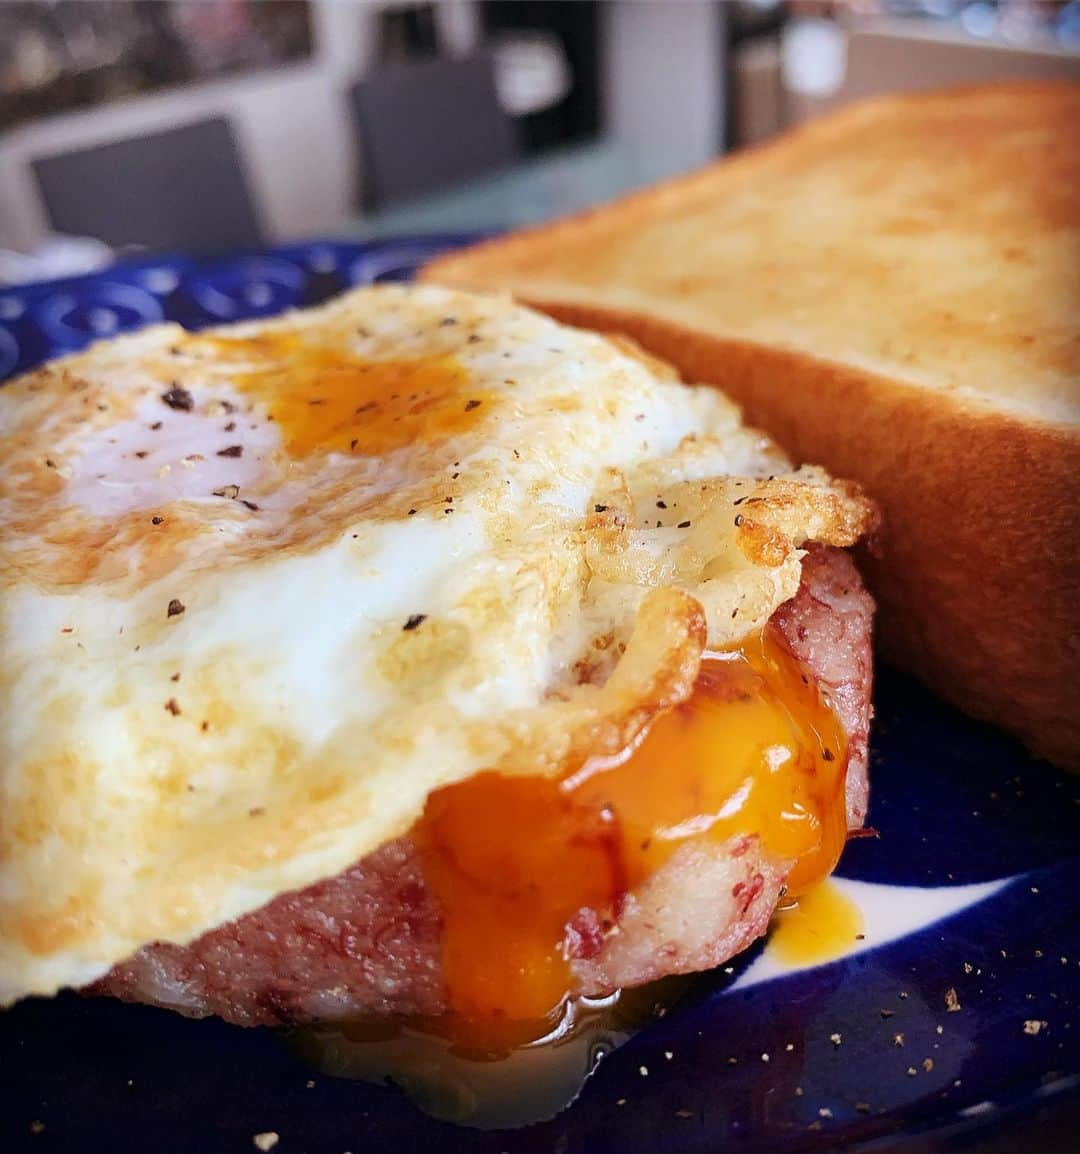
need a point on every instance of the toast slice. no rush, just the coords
(893, 291)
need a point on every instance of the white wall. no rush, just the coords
(291, 126)
(664, 75)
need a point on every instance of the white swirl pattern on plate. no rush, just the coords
(99, 311)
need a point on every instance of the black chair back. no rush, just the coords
(180, 189)
(429, 125)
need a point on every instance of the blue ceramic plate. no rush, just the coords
(950, 1027)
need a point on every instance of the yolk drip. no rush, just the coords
(755, 750)
(325, 400)
(823, 924)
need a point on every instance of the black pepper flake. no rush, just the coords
(414, 622)
(50, 463)
(448, 510)
(828, 754)
(156, 520)
(738, 520)
(470, 405)
(231, 451)
(230, 491)
(446, 322)
(229, 427)
(172, 707)
(178, 398)
(250, 505)
(661, 504)
(175, 677)
(474, 338)
(412, 512)
(600, 508)
(155, 426)
(176, 607)
(366, 407)
(141, 453)
(683, 525)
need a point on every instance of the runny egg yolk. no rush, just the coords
(323, 399)
(755, 750)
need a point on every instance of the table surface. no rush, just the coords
(541, 188)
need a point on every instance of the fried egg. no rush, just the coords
(265, 588)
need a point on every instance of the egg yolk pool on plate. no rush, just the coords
(754, 750)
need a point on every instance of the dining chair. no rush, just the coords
(428, 125)
(182, 188)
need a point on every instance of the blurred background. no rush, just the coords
(218, 125)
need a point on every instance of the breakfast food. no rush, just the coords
(892, 291)
(411, 654)
(368, 941)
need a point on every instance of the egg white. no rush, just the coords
(227, 676)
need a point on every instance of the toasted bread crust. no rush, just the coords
(893, 292)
